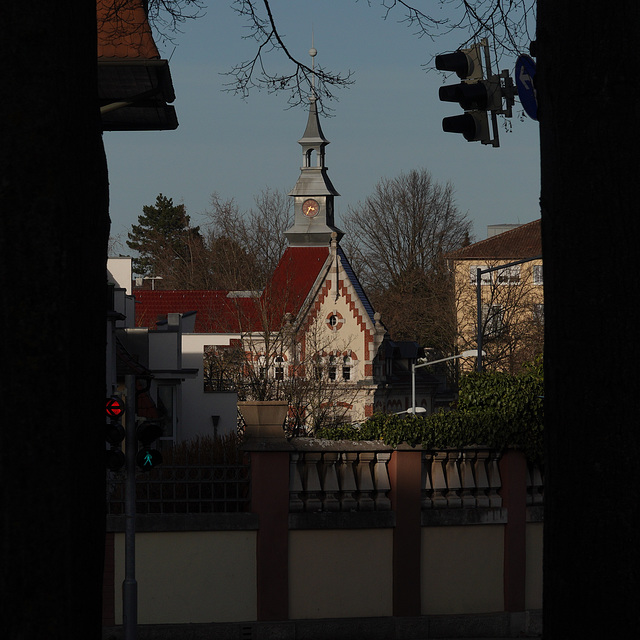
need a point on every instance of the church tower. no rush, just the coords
(313, 194)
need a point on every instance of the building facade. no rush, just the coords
(311, 336)
(499, 286)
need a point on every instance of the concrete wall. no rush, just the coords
(340, 573)
(391, 559)
(191, 576)
(198, 406)
(462, 569)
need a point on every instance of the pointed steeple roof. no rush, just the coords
(313, 179)
(313, 135)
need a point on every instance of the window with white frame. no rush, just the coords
(278, 369)
(537, 274)
(332, 370)
(347, 366)
(262, 368)
(485, 278)
(509, 275)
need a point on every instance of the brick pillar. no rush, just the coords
(269, 451)
(270, 500)
(405, 472)
(513, 470)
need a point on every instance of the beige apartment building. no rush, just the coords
(510, 303)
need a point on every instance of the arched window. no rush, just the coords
(279, 368)
(347, 366)
(309, 158)
(332, 370)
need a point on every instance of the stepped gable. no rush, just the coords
(355, 283)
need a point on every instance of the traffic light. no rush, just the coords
(467, 63)
(148, 432)
(114, 433)
(481, 97)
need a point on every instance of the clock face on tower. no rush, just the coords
(310, 208)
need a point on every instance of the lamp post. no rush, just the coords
(473, 353)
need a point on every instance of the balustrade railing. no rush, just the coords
(339, 481)
(359, 480)
(328, 481)
(466, 478)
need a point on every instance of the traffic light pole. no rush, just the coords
(130, 586)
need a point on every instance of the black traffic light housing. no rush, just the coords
(148, 432)
(472, 125)
(114, 433)
(479, 96)
(467, 63)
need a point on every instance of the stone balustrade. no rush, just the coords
(349, 476)
(339, 481)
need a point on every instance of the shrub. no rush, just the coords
(496, 410)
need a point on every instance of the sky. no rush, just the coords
(388, 122)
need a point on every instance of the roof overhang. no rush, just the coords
(134, 93)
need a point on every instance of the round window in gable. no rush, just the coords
(334, 321)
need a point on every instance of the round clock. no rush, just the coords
(310, 208)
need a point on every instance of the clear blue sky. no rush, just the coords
(389, 121)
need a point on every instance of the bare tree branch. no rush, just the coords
(510, 23)
(299, 82)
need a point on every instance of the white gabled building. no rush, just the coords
(311, 335)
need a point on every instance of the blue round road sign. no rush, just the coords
(525, 73)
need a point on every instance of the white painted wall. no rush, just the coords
(198, 406)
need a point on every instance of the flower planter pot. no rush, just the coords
(264, 418)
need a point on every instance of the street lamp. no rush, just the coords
(473, 353)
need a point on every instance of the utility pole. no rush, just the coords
(130, 586)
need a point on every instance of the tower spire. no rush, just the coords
(313, 193)
(313, 52)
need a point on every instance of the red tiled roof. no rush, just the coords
(522, 242)
(124, 32)
(216, 312)
(294, 276)
(219, 312)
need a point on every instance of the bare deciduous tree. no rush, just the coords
(258, 232)
(398, 238)
(512, 314)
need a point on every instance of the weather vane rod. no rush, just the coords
(313, 53)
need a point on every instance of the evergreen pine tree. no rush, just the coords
(162, 237)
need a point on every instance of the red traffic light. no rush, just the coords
(114, 407)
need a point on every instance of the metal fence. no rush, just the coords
(219, 488)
